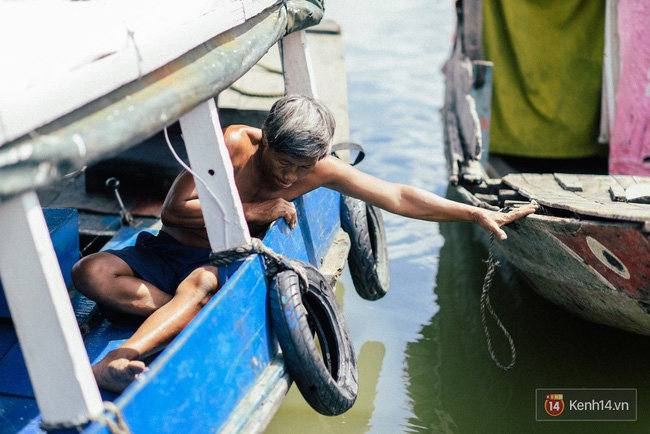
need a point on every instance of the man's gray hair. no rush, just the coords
(299, 126)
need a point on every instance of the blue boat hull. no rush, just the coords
(226, 363)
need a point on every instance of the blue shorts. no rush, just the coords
(163, 261)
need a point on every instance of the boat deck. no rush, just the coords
(591, 195)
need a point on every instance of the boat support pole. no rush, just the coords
(214, 178)
(50, 340)
(296, 64)
(299, 80)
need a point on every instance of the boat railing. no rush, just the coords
(183, 88)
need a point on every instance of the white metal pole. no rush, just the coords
(210, 160)
(43, 317)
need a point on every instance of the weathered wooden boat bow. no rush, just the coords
(587, 247)
(160, 79)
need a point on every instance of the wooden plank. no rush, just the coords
(482, 93)
(639, 193)
(64, 233)
(473, 28)
(596, 201)
(507, 194)
(214, 177)
(328, 68)
(315, 227)
(297, 66)
(641, 179)
(568, 181)
(45, 322)
(489, 198)
(624, 180)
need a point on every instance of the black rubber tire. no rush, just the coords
(368, 257)
(328, 382)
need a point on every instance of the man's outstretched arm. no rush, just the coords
(411, 201)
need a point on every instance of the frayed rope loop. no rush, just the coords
(274, 262)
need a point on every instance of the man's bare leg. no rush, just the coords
(109, 281)
(121, 366)
(118, 369)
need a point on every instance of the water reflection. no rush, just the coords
(455, 386)
(295, 418)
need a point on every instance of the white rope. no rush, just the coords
(192, 172)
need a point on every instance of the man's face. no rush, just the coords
(283, 170)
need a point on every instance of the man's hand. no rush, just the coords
(261, 213)
(492, 220)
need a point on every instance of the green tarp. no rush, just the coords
(548, 57)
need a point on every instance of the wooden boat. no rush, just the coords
(151, 63)
(587, 247)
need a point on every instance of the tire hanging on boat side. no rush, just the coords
(328, 382)
(368, 257)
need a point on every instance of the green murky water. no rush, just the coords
(423, 359)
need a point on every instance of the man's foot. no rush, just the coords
(115, 373)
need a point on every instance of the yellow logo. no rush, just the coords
(554, 404)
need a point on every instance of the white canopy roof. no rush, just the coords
(57, 56)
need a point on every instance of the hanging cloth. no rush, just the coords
(547, 80)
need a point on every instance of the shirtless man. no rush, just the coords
(168, 278)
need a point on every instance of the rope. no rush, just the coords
(117, 426)
(273, 262)
(485, 303)
(193, 173)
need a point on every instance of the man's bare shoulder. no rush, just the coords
(241, 141)
(241, 133)
(330, 170)
(332, 165)
(339, 175)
